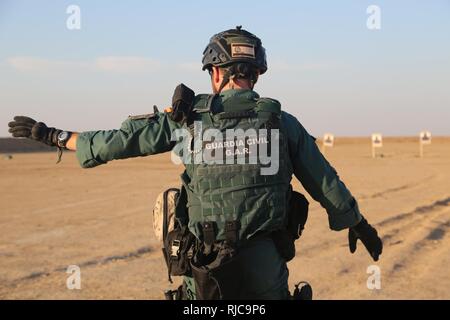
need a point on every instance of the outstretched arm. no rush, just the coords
(319, 178)
(322, 182)
(138, 136)
(72, 142)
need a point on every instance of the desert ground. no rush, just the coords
(53, 216)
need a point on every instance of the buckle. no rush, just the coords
(175, 249)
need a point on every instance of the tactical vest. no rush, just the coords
(222, 193)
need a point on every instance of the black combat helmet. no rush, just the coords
(235, 45)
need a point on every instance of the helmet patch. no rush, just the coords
(242, 50)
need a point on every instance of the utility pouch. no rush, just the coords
(178, 241)
(206, 287)
(177, 251)
(175, 294)
(297, 216)
(219, 279)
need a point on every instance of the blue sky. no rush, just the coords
(325, 66)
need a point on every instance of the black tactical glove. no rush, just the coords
(182, 101)
(25, 127)
(368, 236)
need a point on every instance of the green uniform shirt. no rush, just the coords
(151, 134)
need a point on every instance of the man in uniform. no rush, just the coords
(224, 197)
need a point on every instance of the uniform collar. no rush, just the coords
(246, 94)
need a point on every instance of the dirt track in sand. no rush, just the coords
(100, 219)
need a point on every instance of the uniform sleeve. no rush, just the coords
(138, 136)
(319, 178)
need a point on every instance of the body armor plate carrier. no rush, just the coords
(236, 192)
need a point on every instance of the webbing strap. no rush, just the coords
(231, 231)
(236, 115)
(209, 236)
(231, 105)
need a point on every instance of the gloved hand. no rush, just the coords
(182, 101)
(25, 127)
(368, 236)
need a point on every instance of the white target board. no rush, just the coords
(328, 140)
(425, 137)
(377, 140)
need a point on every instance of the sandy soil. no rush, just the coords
(53, 216)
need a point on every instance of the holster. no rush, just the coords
(297, 215)
(284, 242)
(217, 276)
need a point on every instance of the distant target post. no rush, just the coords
(424, 138)
(377, 142)
(328, 141)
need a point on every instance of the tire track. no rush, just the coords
(384, 225)
(420, 241)
(423, 266)
(397, 189)
(416, 218)
(419, 260)
(387, 191)
(89, 263)
(439, 204)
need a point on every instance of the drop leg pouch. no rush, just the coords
(220, 279)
